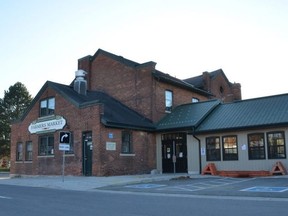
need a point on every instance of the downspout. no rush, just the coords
(199, 152)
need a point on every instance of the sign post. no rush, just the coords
(64, 145)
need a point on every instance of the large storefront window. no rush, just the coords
(276, 145)
(230, 148)
(213, 152)
(46, 145)
(256, 146)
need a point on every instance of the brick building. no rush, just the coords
(217, 84)
(109, 113)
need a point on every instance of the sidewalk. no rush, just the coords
(81, 183)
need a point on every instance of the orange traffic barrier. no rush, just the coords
(210, 169)
(279, 168)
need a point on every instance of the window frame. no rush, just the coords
(49, 147)
(227, 153)
(19, 151)
(126, 144)
(28, 153)
(256, 150)
(49, 108)
(213, 152)
(272, 154)
(168, 100)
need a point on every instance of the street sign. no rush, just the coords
(64, 147)
(64, 137)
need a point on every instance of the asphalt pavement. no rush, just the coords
(180, 184)
(84, 183)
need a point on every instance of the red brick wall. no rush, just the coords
(143, 159)
(180, 96)
(129, 85)
(78, 121)
(230, 92)
(135, 87)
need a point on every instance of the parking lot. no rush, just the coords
(275, 186)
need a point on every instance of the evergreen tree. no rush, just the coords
(16, 100)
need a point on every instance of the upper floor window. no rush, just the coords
(126, 147)
(256, 146)
(168, 100)
(213, 152)
(47, 106)
(230, 148)
(195, 100)
(276, 145)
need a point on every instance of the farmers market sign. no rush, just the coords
(41, 125)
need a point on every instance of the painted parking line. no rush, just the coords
(4, 197)
(266, 189)
(145, 186)
(204, 185)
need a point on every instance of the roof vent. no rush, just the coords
(80, 84)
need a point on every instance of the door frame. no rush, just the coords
(174, 153)
(87, 153)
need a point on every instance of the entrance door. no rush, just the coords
(174, 153)
(87, 153)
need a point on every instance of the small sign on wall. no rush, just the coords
(110, 135)
(111, 146)
(203, 151)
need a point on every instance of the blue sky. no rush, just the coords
(42, 40)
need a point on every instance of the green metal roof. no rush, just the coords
(255, 113)
(187, 116)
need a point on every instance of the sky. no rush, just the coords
(42, 40)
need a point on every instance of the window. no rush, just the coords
(47, 107)
(168, 100)
(213, 152)
(28, 152)
(19, 152)
(46, 145)
(256, 146)
(230, 148)
(126, 142)
(276, 145)
(195, 100)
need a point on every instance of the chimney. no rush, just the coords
(80, 84)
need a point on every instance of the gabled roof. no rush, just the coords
(118, 58)
(177, 82)
(198, 81)
(157, 74)
(271, 111)
(187, 116)
(115, 114)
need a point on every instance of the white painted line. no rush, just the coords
(3, 197)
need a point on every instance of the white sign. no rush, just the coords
(203, 151)
(39, 126)
(110, 146)
(64, 147)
